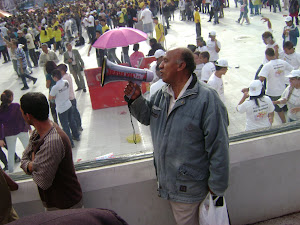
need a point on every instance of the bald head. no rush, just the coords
(186, 55)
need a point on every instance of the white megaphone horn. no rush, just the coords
(112, 72)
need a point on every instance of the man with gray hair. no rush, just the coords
(188, 124)
(47, 55)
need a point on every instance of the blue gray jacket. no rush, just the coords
(190, 144)
(293, 35)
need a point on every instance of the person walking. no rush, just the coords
(22, 64)
(12, 126)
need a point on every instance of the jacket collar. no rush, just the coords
(192, 88)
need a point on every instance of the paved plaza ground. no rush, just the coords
(105, 130)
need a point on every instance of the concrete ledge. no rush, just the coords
(263, 184)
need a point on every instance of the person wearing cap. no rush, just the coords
(154, 66)
(259, 108)
(188, 124)
(291, 96)
(290, 55)
(215, 80)
(213, 46)
(159, 31)
(201, 45)
(208, 68)
(290, 31)
(274, 71)
(157, 81)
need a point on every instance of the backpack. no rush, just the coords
(165, 29)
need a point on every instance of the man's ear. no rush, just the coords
(181, 66)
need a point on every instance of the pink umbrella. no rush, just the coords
(120, 37)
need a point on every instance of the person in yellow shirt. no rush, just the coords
(57, 38)
(159, 30)
(43, 35)
(51, 36)
(197, 22)
(104, 26)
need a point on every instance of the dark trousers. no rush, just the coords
(3, 158)
(111, 54)
(33, 57)
(5, 54)
(76, 114)
(53, 111)
(67, 121)
(24, 76)
(125, 58)
(198, 30)
(91, 33)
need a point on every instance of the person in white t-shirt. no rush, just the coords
(208, 68)
(215, 80)
(290, 55)
(60, 92)
(63, 68)
(291, 96)
(146, 17)
(274, 71)
(154, 66)
(269, 41)
(199, 64)
(213, 46)
(201, 45)
(157, 82)
(259, 108)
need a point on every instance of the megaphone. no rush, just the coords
(112, 72)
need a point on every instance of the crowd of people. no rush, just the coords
(41, 37)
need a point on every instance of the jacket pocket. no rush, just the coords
(190, 181)
(155, 111)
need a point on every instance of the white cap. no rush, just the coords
(288, 19)
(294, 73)
(255, 88)
(212, 33)
(159, 53)
(221, 63)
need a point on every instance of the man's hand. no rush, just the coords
(2, 143)
(132, 89)
(88, 53)
(70, 60)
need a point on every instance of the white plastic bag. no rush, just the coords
(209, 214)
